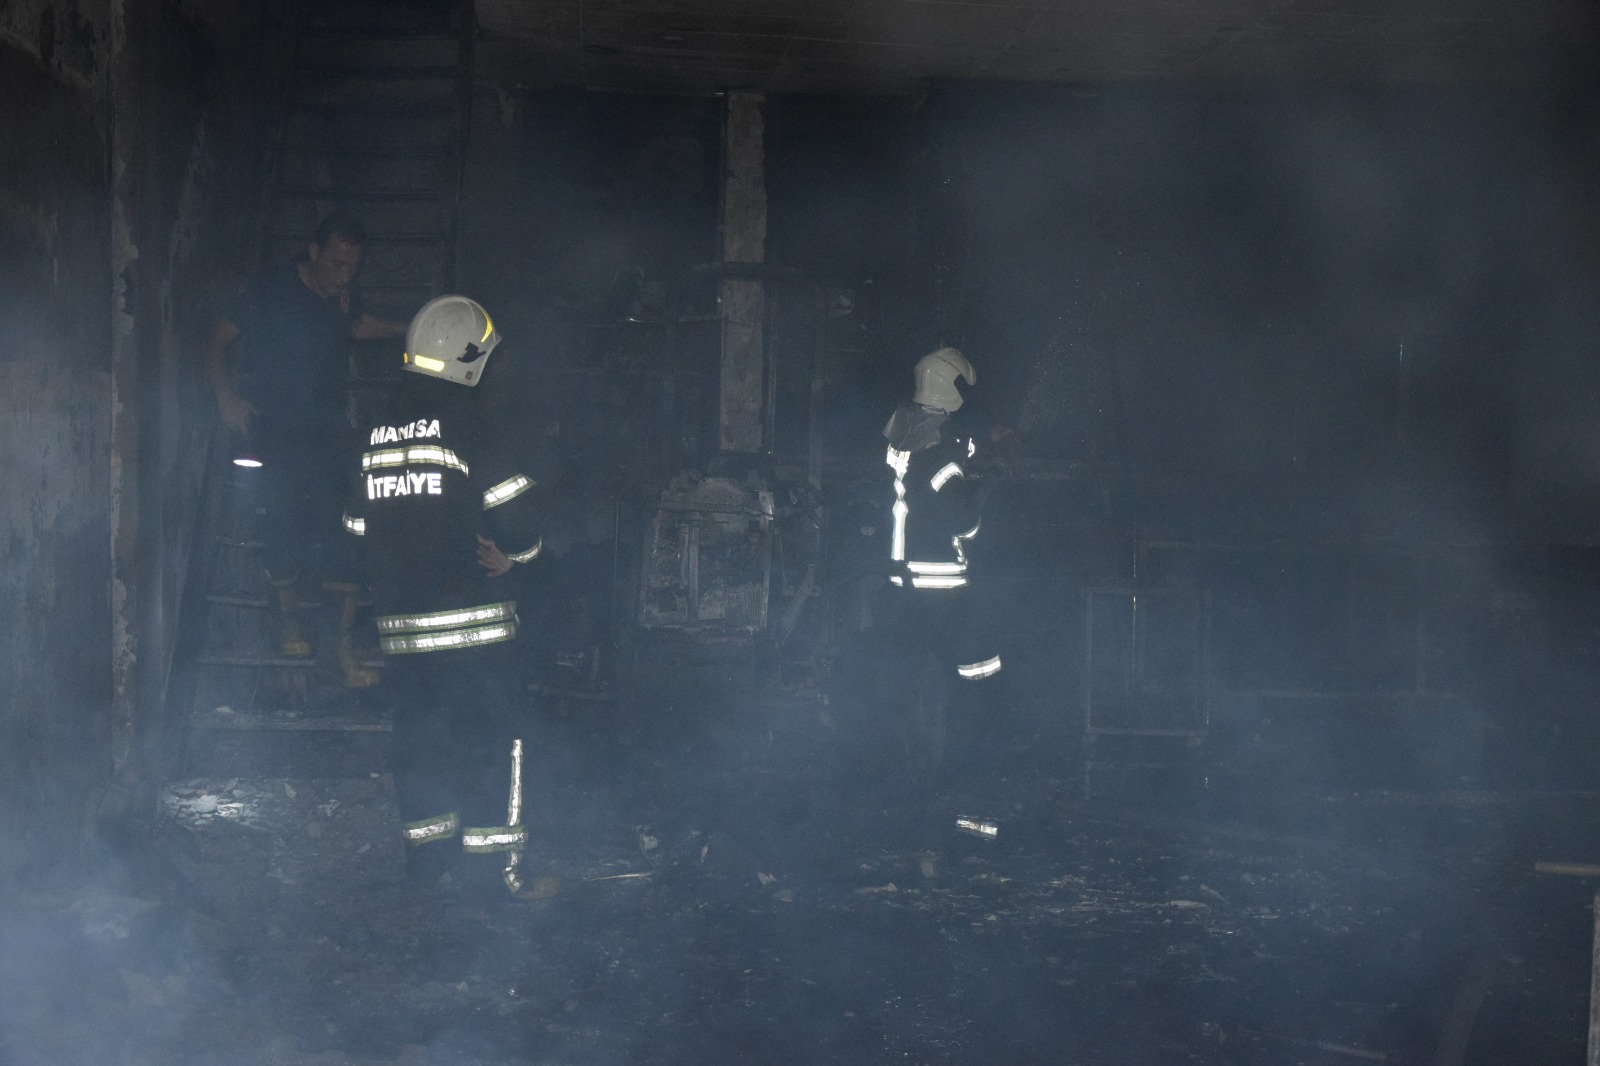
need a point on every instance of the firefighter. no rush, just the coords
(443, 516)
(935, 514)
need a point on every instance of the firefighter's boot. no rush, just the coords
(356, 675)
(292, 643)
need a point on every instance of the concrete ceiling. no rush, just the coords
(895, 45)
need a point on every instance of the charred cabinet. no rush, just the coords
(708, 558)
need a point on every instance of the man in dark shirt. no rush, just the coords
(290, 330)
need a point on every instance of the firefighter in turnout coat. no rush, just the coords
(443, 515)
(935, 515)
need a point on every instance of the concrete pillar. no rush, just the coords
(744, 240)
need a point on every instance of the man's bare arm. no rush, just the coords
(372, 328)
(236, 411)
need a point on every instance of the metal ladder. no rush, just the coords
(376, 105)
(377, 110)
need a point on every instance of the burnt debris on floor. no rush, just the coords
(737, 909)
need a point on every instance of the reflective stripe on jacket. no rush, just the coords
(934, 515)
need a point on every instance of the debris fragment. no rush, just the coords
(648, 845)
(987, 830)
(1348, 1050)
(765, 879)
(542, 888)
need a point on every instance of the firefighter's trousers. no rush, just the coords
(956, 623)
(456, 714)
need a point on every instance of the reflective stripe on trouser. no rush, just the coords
(456, 717)
(486, 839)
(512, 879)
(932, 581)
(428, 830)
(980, 670)
(935, 575)
(954, 623)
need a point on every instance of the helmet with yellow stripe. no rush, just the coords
(451, 338)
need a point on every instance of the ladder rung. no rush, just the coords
(301, 192)
(368, 288)
(357, 33)
(372, 238)
(403, 151)
(224, 599)
(228, 599)
(357, 72)
(377, 107)
(256, 660)
(1142, 731)
(282, 723)
(583, 695)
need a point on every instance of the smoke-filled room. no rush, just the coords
(800, 533)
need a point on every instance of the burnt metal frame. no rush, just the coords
(1424, 689)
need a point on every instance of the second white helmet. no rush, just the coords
(936, 376)
(451, 338)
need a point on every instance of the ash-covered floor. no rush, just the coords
(766, 907)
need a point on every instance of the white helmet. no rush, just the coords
(451, 338)
(936, 376)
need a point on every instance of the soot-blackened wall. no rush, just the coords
(133, 132)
